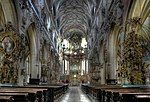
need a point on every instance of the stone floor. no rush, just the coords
(75, 95)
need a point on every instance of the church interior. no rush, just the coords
(74, 50)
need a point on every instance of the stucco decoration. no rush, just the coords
(10, 54)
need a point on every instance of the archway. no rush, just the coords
(33, 70)
(113, 53)
(9, 14)
(119, 51)
(132, 60)
(2, 18)
(9, 43)
(141, 10)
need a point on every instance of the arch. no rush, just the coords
(33, 70)
(137, 15)
(9, 12)
(112, 45)
(140, 8)
(8, 19)
(2, 17)
(119, 51)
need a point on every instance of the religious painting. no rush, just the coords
(7, 44)
(8, 64)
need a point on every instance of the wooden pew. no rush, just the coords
(98, 92)
(50, 93)
(127, 95)
(14, 97)
(6, 98)
(109, 93)
(142, 98)
(36, 93)
(32, 94)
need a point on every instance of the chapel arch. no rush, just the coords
(113, 53)
(137, 15)
(8, 35)
(2, 17)
(7, 11)
(32, 58)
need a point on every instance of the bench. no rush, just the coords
(109, 93)
(6, 98)
(34, 92)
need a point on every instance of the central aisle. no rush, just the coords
(75, 95)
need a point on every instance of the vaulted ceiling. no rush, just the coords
(72, 17)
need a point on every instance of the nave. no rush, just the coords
(47, 46)
(75, 94)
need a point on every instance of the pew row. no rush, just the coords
(32, 93)
(113, 93)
